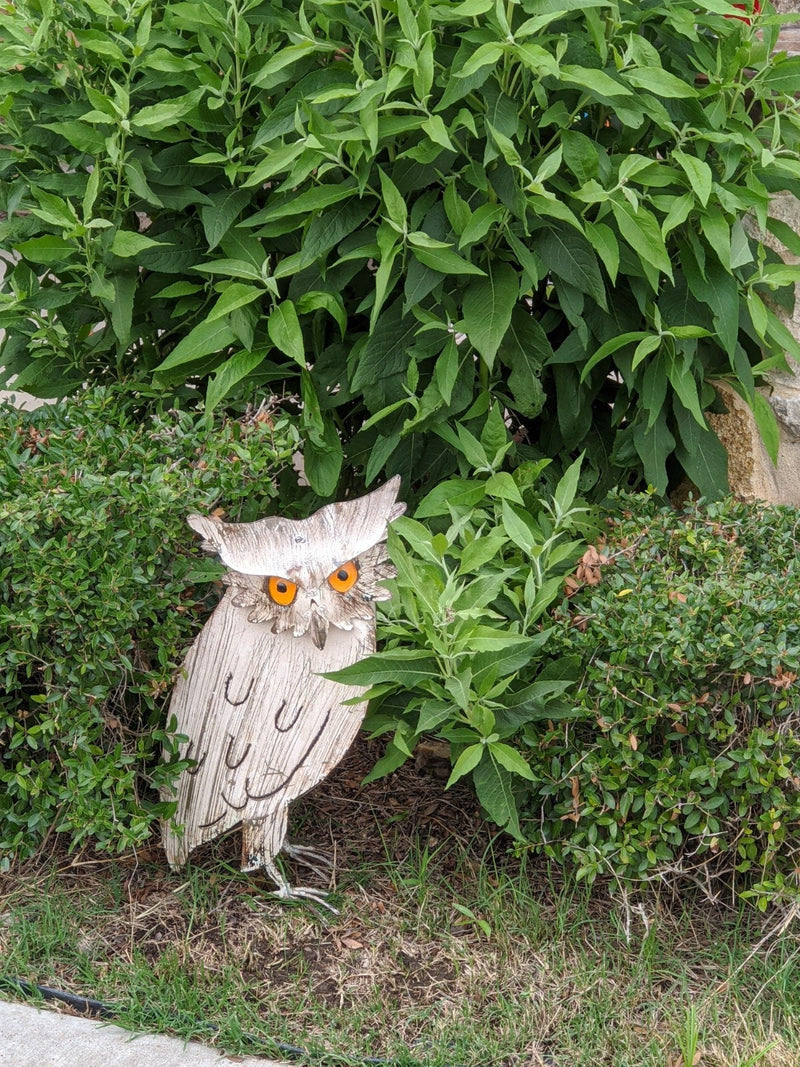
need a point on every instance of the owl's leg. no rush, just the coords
(262, 840)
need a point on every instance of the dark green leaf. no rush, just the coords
(702, 454)
(571, 257)
(488, 303)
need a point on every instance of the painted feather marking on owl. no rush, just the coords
(263, 725)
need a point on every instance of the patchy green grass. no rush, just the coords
(448, 949)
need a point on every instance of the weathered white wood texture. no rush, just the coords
(263, 725)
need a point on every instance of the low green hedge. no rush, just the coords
(646, 729)
(675, 759)
(101, 590)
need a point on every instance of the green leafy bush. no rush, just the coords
(463, 641)
(329, 195)
(676, 759)
(101, 589)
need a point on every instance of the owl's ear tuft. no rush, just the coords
(210, 529)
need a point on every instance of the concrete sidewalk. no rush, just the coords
(43, 1037)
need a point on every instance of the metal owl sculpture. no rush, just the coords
(263, 725)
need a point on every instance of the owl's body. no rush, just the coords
(263, 725)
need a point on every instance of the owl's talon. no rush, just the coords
(319, 862)
(302, 893)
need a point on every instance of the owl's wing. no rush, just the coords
(262, 724)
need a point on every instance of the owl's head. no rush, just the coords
(306, 575)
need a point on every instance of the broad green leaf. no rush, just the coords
(487, 305)
(435, 128)
(385, 278)
(205, 338)
(480, 223)
(785, 234)
(328, 228)
(701, 454)
(233, 370)
(393, 200)
(758, 312)
(486, 55)
(466, 762)
(443, 260)
(767, 424)
(235, 295)
(101, 44)
(654, 445)
(468, 445)
(495, 792)
(537, 59)
(47, 249)
(642, 232)
(687, 388)
(126, 243)
(525, 349)
(700, 175)
(512, 760)
(445, 373)
(481, 550)
(595, 81)
(135, 176)
(380, 453)
(330, 302)
(581, 155)
(321, 196)
(532, 266)
(518, 529)
(679, 210)
(323, 462)
(156, 117)
(646, 347)
(409, 669)
(604, 241)
(718, 233)
(179, 289)
(233, 268)
(269, 74)
(275, 162)
(477, 595)
(219, 216)
(456, 493)
(54, 209)
(80, 135)
(393, 758)
(457, 209)
(283, 327)
(387, 350)
(782, 75)
(571, 257)
(122, 305)
(564, 493)
(502, 486)
(455, 12)
(660, 82)
(611, 346)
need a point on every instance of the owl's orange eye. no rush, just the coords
(344, 577)
(282, 590)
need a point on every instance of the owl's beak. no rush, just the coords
(318, 627)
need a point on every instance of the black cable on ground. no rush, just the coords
(88, 1006)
